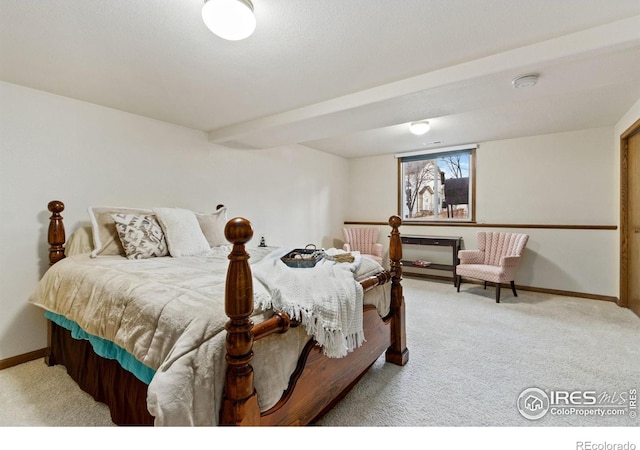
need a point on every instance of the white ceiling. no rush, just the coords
(342, 76)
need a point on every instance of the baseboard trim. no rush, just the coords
(519, 287)
(20, 359)
(605, 298)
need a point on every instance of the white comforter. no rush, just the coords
(174, 323)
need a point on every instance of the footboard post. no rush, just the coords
(397, 353)
(240, 402)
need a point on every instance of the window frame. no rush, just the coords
(433, 154)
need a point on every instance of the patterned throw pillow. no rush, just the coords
(105, 236)
(141, 236)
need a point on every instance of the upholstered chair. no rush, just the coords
(363, 240)
(496, 260)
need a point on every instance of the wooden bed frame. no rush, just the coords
(317, 384)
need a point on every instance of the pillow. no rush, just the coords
(212, 226)
(105, 236)
(182, 232)
(141, 236)
(80, 242)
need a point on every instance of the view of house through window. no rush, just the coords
(437, 185)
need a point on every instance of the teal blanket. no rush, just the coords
(104, 348)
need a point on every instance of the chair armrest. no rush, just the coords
(346, 247)
(471, 256)
(510, 261)
(377, 250)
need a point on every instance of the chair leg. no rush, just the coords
(497, 292)
(485, 284)
(459, 280)
(513, 288)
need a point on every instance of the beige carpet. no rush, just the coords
(470, 359)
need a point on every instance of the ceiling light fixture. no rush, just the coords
(230, 19)
(525, 81)
(419, 128)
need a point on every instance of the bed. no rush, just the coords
(187, 363)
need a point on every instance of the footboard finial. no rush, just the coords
(56, 235)
(240, 403)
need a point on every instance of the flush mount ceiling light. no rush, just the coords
(420, 127)
(525, 81)
(230, 19)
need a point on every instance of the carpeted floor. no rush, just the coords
(470, 359)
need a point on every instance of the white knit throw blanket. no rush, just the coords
(326, 299)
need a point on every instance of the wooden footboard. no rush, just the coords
(318, 382)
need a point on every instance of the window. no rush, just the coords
(437, 185)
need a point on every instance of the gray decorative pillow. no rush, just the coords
(141, 236)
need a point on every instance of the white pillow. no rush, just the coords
(182, 232)
(212, 226)
(80, 242)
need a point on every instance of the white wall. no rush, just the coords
(559, 179)
(53, 147)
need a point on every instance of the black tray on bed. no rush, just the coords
(301, 258)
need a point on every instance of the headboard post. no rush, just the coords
(397, 353)
(240, 402)
(56, 235)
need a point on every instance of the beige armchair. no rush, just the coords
(496, 259)
(363, 240)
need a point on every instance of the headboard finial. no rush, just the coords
(56, 235)
(55, 206)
